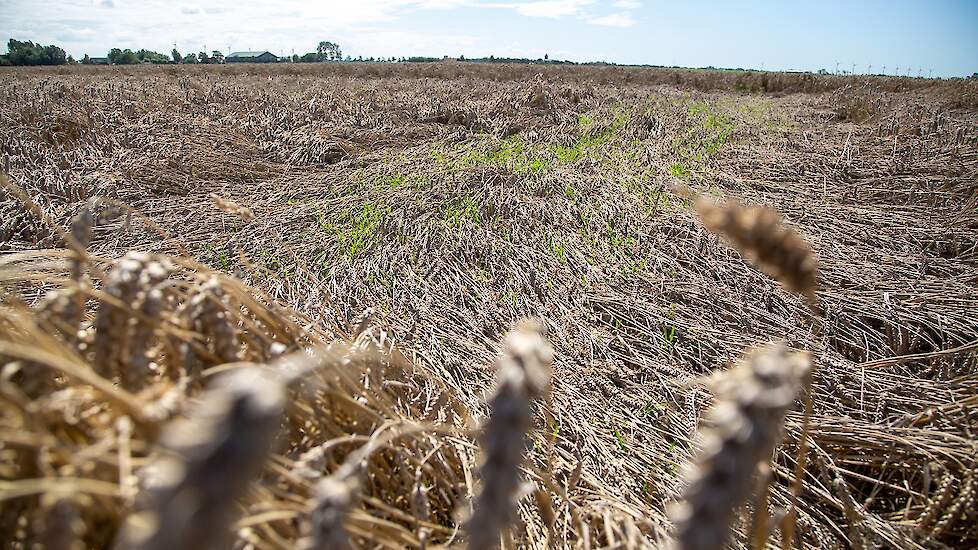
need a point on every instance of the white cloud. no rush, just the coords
(550, 8)
(621, 20)
(627, 4)
(189, 9)
(103, 3)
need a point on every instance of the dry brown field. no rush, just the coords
(267, 306)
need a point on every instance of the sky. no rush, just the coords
(928, 35)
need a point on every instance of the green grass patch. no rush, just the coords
(461, 210)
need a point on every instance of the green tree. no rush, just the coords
(122, 57)
(328, 51)
(86, 60)
(217, 57)
(203, 58)
(177, 58)
(147, 56)
(190, 59)
(29, 53)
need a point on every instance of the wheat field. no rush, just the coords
(454, 305)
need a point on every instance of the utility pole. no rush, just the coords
(837, 68)
(929, 73)
(869, 69)
(853, 69)
(884, 70)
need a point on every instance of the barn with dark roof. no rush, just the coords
(251, 57)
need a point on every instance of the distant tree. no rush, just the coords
(122, 57)
(310, 57)
(822, 71)
(147, 56)
(203, 58)
(329, 51)
(190, 59)
(295, 58)
(71, 60)
(546, 57)
(177, 58)
(217, 57)
(4, 60)
(86, 60)
(29, 53)
(974, 76)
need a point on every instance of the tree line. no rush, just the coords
(29, 53)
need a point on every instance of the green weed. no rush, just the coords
(362, 232)
(461, 209)
(557, 248)
(678, 170)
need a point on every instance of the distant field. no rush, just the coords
(455, 199)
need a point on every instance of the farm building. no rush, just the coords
(251, 57)
(99, 61)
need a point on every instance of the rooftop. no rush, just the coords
(248, 54)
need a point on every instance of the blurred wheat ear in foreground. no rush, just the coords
(744, 427)
(760, 234)
(523, 374)
(333, 498)
(213, 456)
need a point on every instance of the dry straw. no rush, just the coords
(744, 427)
(523, 374)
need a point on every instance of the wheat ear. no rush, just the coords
(745, 426)
(760, 234)
(523, 374)
(333, 499)
(210, 459)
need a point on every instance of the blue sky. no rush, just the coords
(931, 35)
